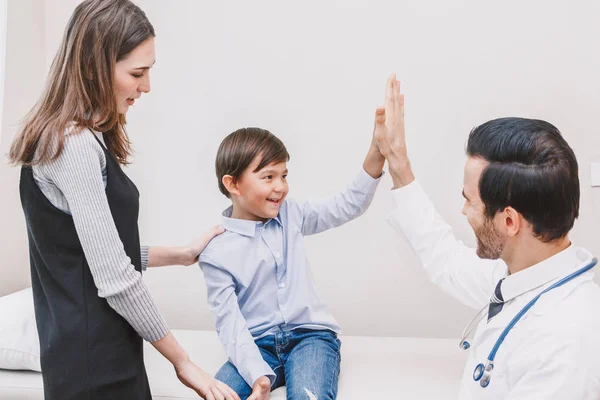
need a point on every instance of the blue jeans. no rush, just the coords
(306, 361)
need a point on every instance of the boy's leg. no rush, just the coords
(229, 374)
(312, 367)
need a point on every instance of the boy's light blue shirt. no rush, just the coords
(258, 277)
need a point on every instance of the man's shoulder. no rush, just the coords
(569, 316)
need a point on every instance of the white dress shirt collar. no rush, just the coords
(551, 269)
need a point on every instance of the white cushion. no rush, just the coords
(372, 368)
(19, 342)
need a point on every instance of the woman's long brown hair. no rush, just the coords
(79, 91)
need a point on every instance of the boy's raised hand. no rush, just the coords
(261, 389)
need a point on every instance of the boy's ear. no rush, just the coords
(230, 184)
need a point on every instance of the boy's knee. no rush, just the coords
(229, 375)
(308, 393)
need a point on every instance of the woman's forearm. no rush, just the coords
(161, 256)
(171, 350)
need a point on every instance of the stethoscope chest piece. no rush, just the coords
(483, 373)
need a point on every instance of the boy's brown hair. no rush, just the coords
(240, 148)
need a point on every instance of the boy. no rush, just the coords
(275, 329)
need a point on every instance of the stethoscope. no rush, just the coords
(483, 373)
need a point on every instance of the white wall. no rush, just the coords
(2, 56)
(25, 74)
(313, 73)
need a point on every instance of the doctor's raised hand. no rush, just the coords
(389, 134)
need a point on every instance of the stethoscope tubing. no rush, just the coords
(482, 373)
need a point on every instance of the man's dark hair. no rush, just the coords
(531, 169)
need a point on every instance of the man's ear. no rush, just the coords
(230, 184)
(513, 221)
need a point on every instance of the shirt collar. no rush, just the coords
(557, 266)
(243, 226)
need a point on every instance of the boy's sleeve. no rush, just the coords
(231, 325)
(318, 216)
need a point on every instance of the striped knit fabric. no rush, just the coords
(75, 183)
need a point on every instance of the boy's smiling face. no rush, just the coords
(259, 194)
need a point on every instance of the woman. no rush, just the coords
(92, 307)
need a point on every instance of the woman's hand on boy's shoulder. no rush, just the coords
(191, 252)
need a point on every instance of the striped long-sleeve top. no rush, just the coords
(75, 183)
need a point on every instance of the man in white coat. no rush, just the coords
(521, 190)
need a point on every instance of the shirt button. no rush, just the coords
(282, 285)
(276, 255)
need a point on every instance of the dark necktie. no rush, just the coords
(496, 302)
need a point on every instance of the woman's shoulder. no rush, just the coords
(79, 148)
(82, 138)
(81, 143)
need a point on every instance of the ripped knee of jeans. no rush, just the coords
(311, 395)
